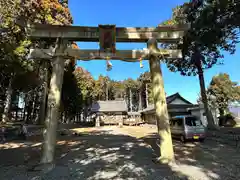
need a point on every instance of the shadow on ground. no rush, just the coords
(105, 155)
(97, 155)
(208, 160)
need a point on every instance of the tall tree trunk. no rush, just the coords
(29, 110)
(166, 147)
(140, 99)
(146, 93)
(16, 114)
(54, 103)
(221, 111)
(130, 92)
(35, 108)
(16, 110)
(30, 107)
(25, 107)
(8, 101)
(210, 120)
(197, 60)
(44, 94)
(107, 91)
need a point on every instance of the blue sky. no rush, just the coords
(139, 13)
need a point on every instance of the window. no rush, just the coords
(192, 121)
(179, 122)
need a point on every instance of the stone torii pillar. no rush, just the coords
(54, 100)
(166, 148)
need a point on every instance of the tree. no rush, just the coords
(226, 12)
(11, 52)
(102, 87)
(201, 43)
(72, 97)
(15, 46)
(44, 75)
(132, 93)
(146, 85)
(85, 83)
(13, 40)
(223, 91)
(118, 89)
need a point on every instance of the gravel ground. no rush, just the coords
(121, 153)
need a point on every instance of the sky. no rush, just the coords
(141, 13)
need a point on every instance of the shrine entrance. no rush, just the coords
(107, 36)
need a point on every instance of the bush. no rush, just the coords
(227, 120)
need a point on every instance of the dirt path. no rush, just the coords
(208, 160)
(122, 153)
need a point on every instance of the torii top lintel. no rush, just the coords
(163, 34)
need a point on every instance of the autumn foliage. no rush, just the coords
(222, 91)
(52, 12)
(15, 44)
(45, 11)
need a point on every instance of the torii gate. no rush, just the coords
(151, 36)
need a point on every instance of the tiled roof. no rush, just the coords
(109, 106)
(170, 99)
(134, 113)
(175, 96)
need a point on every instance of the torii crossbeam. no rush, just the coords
(163, 34)
(93, 54)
